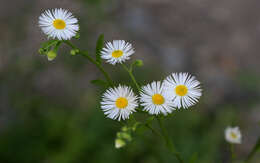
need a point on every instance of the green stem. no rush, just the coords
(253, 151)
(85, 54)
(153, 130)
(132, 76)
(168, 141)
(232, 153)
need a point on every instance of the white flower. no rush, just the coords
(118, 103)
(183, 88)
(233, 135)
(58, 23)
(117, 51)
(155, 100)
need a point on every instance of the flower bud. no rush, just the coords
(119, 143)
(138, 63)
(51, 55)
(74, 51)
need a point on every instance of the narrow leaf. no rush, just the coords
(99, 46)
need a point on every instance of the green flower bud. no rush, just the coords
(74, 51)
(51, 55)
(124, 128)
(126, 136)
(139, 63)
(119, 143)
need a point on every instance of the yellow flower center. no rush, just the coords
(158, 99)
(59, 24)
(233, 135)
(121, 103)
(181, 90)
(117, 53)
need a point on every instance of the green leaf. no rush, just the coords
(254, 150)
(99, 83)
(77, 35)
(99, 46)
(194, 158)
(46, 46)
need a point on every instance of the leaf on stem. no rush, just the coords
(99, 46)
(46, 46)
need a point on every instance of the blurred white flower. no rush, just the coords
(117, 51)
(183, 88)
(118, 103)
(58, 23)
(233, 135)
(155, 100)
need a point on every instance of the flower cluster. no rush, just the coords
(178, 90)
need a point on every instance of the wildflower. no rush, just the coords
(58, 23)
(118, 103)
(117, 51)
(233, 135)
(183, 88)
(155, 99)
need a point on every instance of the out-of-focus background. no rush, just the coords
(49, 111)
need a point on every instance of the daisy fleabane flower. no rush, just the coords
(183, 88)
(117, 51)
(58, 23)
(233, 135)
(155, 99)
(118, 103)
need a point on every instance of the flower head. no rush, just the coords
(117, 51)
(118, 103)
(183, 88)
(155, 99)
(233, 135)
(58, 23)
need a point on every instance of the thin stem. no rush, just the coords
(168, 141)
(153, 130)
(232, 153)
(253, 151)
(132, 76)
(85, 54)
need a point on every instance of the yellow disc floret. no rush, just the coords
(233, 135)
(181, 90)
(117, 53)
(158, 99)
(121, 103)
(59, 24)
